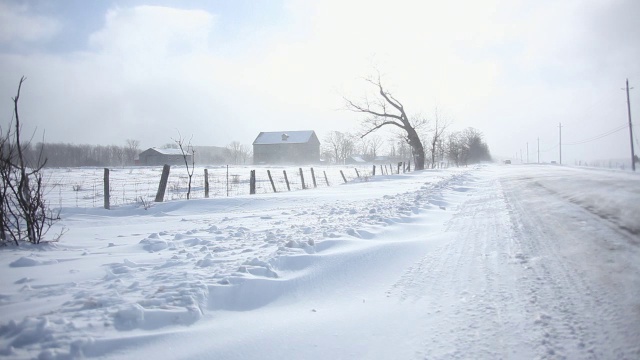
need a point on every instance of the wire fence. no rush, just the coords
(84, 187)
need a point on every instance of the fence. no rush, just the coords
(86, 187)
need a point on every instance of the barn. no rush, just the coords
(155, 157)
(286, 147)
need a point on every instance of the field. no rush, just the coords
(84, 187)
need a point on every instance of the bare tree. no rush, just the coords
(438, 130)
(247, 153)
(25, 214)
(238, 153)
(333, 141)
(187, 149)
(326, 154)
(132, 148)
(6, 152)
(368, 147)
(455, 151)
(400, 149)
(117, 153)
(340, 144)
(392, 149)
(375, 144)
(387, 110)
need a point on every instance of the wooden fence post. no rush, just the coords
(252, 183)
(271, 180)
(286, 179)
(399, 164)
(343, 178)
(409, 165)
(313, 177)
(163, 183)
(302, 179)
(326, 178)
(404, 168)
(227, 180)
(357, 173)
(374, 170)
(206, 183)
(106, 189)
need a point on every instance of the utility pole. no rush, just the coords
(538, 150)
(633, 156)
(527, 152)
(560, 142)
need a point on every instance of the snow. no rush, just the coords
(482, 262)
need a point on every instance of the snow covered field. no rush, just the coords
(84, 187)
(488, 262)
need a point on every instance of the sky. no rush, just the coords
(101, 72)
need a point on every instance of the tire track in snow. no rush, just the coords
(506, 284)
(467, 285)
(578, 318)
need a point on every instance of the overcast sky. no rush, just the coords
(100, 72)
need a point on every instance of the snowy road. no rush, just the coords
(494, 262)
(529, 275)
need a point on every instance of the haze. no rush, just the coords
(222, 71)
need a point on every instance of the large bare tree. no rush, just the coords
(387, 110)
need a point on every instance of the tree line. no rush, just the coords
(458, 148)
(74, 155)
(78, 155)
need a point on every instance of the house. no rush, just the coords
(286, 147)
(155, 157)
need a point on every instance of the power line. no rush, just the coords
(550, 149)
(598, 137)
(593, 138)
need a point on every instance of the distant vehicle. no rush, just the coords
(507, 161)
(553, 162)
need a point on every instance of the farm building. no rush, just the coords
(355, 160)
(155, 156)
(286, 147)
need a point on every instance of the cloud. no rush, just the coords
(18, 25)
(144, 76)
(505, 67)
(153, 32)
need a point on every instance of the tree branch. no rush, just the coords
(381, 125)
(357, 108)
